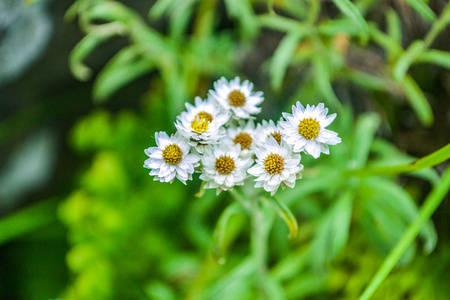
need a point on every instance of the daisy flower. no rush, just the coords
(223, 168)
(304, 129)
(276, 165)
(243, 135)
(171, 158)
(267, 129)
(202, 124)
(237, 98)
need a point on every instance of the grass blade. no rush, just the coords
(418, 100)
(351, 12)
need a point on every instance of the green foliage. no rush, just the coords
(131, 238)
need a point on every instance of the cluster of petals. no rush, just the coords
(218, 137)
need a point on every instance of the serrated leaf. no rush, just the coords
(282, 57)
(350, 11)
(417, 100)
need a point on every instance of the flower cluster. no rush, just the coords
(218, 138)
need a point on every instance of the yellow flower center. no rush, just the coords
(309, 128)
(225, 165)
(244, 139)
(172, 154)
(236, 98)
(201, 122)
(274, 163)
(277, 135)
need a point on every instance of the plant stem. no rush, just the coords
(431, 204)
(259, 235)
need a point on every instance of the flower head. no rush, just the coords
(244, 134)
(171, 158)
(202, 124)
(275, 165)
(304, 129)
(237, 98)
(223, 168)
(267, 129)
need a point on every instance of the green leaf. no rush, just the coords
(366, 127)
(333, 27)
(422, 8)
(160, 8)
(242, 11)
(180, 17)
(351, 12)
(26, 220)
(333, 231)
(284, 24)
(220, 231)
(417, 100)
(394, 26)
(285, 213)
(433, 200)
(126, 66)
(282, 57)
(405, 60)
(393, 48)
(398, 202)
(81, 51)
(428, 161)
(322, 78)
(437, 57)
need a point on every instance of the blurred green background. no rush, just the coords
(85, 84)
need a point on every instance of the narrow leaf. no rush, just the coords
(285, 213)
(428, 208)
(394, 26)
(333, 27)
(422, 8)
(366, 127)
(280, 23)
(282, 57)
(218, 249)
(405, 60)
(160, 8)
(322, 78)
(351, 12)
(418, 100)
(437, 57)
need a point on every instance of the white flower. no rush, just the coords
(304, 129)
(223, 168)
(276, 165)
(243, 135)
(236, 97)
(267, 129)
(202, 124)
(171, 158)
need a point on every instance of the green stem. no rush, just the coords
(428, 161)
(431, 204)
(259, 236)
(438, 26)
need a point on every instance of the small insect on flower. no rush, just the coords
(267, 129)
(276, 165)
(304, 129)
(237, 98)
(223, 168)
(242, 135)
(171, 158)
(202, 124)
